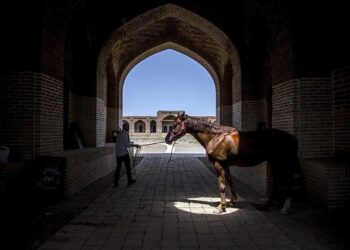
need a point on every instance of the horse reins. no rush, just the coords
(182, 131)
(171, 152)
(138, 150)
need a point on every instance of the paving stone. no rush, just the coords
(169, 208)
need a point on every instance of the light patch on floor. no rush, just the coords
(202, 205)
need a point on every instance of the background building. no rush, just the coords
(162, 123)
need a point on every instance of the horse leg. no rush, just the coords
(287, 196)
(293, 177)
(286, 183)
(286, 207)
(229, 181)
(220, 172)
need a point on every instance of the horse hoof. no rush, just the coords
(218, 211)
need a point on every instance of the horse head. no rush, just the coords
(179, 128)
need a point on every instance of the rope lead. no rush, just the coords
(171, 152)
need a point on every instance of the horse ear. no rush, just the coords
(182, 114)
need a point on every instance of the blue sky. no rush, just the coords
(168, 80)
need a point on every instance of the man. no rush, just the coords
(122, 154)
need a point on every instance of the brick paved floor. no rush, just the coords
(169, 207)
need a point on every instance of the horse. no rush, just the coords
(226, 146)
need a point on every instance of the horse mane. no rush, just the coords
(202, 125)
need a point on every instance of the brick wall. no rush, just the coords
(91, 115)
(16, 112)
(282, 56)
(245, 118)
(341, 87)
(101, 118)
(31, 107)
(327, 181)
(84, 166)
(315, 178)
(246, 115)
(48, 115)
(52, 44)
(303, 107)
(285, 108)
(237, 114)
(316, 110)
(315, 117)
(249, 115)
(226, 115)
(257, 177)
(339, 183)
(112, 114)
(87, 119)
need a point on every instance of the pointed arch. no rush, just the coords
(193, 36)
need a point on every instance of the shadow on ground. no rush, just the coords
(29, 218)
(308, 226)
(28, 222)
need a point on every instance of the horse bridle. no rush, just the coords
(182, 131)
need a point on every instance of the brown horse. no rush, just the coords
(226, 146)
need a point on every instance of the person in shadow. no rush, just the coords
(122, 154)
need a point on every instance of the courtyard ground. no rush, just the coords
(170, 207)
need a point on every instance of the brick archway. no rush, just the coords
(170, 27)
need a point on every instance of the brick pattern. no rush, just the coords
(315, 177)
(303, 107)
(285, 109)
(327, 181)
(315, 121)
(87, 119)
(16, 112)
(48, 115)
(282, 56)
(341, 87)
(73, 105)
(245, 118)
(316, 110)
(237, 114)
(339, 184)
(246, 115)
(226, 115)
(101, 118)
(91, 115)
(31, 107)
(112, 125)
(257, 177)
(52, 43)
(249, 115)
(263, 110)
(85, 166)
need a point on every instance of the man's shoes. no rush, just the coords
(116, 185)
(131, 182)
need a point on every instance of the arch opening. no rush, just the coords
(193, 36)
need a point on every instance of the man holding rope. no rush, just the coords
(122, 154)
